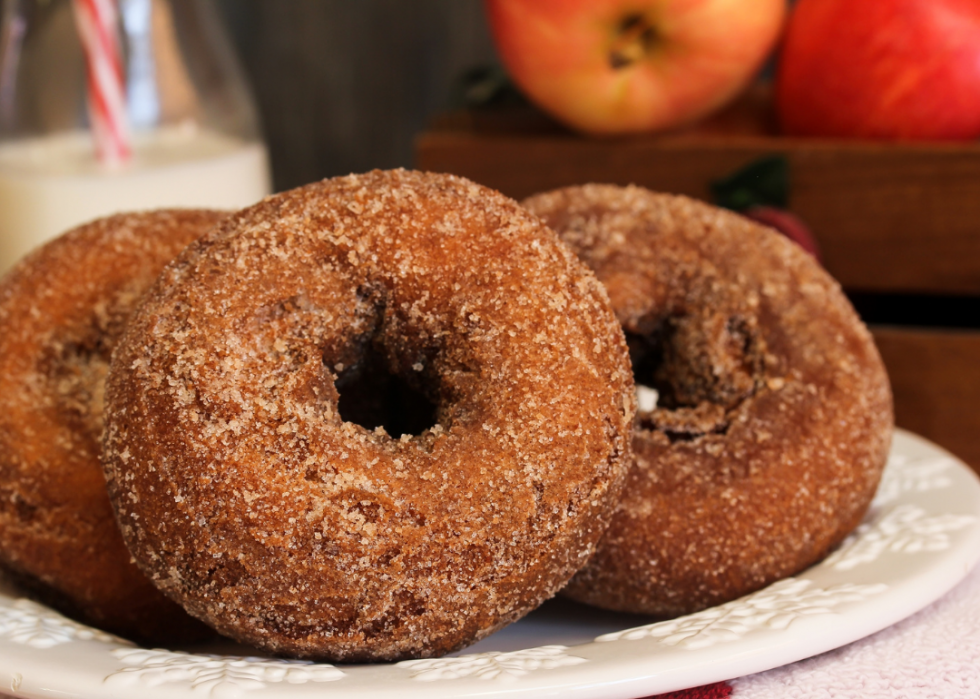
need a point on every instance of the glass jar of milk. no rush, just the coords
(191, 127)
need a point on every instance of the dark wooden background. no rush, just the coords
(345, 85)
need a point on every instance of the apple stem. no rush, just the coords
(634, 40)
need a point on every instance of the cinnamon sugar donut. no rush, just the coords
(244, 492)
(774, 415)
(62, 310)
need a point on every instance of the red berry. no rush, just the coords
(786, 223)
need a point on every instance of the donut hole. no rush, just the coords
(76, 370)
(646, 356)
(373, 396)
(74, 360)
(702, 366)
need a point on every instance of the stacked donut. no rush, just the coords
(62, 312)
(773, 416)
(383, 415)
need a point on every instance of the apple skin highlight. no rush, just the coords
(691, 57)
(881, 69)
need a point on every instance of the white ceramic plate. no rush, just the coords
(921, 537)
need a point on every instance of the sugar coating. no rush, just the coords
(62, 310)
(246, 496)
(774, 413)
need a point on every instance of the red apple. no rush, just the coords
(622, 66)
(891, 69)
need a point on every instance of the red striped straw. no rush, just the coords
(97, 21)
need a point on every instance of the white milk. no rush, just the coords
(51, 184)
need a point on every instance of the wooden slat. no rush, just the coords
(935, 376)
(887, 217)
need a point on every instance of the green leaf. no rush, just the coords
(484, 86)
(763, 182)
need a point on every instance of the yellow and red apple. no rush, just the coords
(889, 69)
(626, 66)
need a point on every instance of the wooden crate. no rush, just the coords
(891, 220)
